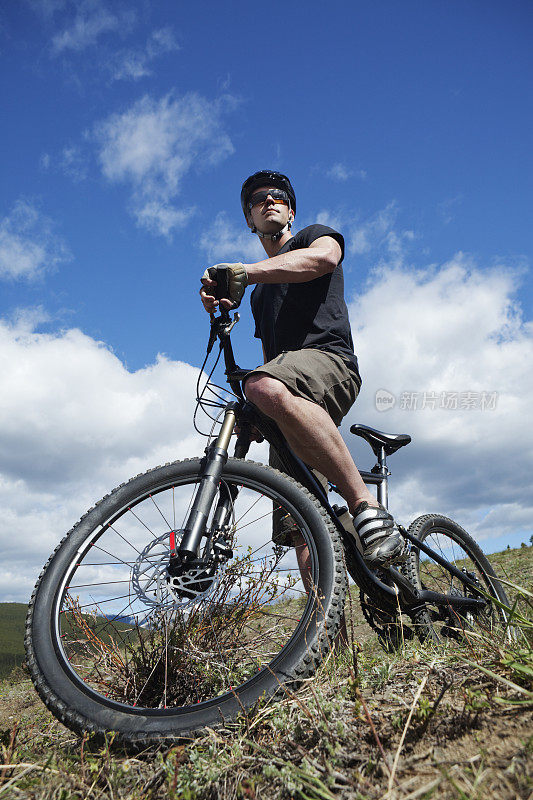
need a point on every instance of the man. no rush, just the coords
(310, 377)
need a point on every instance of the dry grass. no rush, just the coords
(451, 722)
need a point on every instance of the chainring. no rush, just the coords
(388, 626)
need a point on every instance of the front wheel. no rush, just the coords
(116, 641)
(445, 621)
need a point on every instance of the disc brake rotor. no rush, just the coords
(156, 588)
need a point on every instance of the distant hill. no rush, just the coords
(12, 618)
(12, 621)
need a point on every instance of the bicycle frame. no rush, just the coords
(249, 417)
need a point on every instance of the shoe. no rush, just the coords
(381, 540)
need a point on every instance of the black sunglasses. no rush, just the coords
(277, 195)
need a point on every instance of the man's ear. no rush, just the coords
(291, 216)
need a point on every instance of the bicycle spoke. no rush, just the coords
(248, 510)
(110, 600)
(117, 559)
(142, 523)
(163, 516)
(105, 563)
(254, 521)
(123, 538)
(116, 618)
(101, 583)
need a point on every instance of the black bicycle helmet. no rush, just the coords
(266, 177)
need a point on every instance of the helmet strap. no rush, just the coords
(273, 237)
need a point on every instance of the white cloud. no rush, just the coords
(458, 328)
(28, 246)
(72, 161)
(135, 64)
(341, 172)
(225, 241)
(91, 20)
(329, 218)
(152, 146)
(376, 236)
(373, 232)
(162, 218)
(73, 424)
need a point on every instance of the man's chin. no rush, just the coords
(270, 228)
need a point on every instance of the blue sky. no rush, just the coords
(128, 129)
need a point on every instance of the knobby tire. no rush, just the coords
(165, 675)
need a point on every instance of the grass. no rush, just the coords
(445, 722)
(12, 617)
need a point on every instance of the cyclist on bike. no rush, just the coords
(310, 377)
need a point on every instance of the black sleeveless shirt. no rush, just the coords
(313, 314)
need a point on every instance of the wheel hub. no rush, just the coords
(190, 579)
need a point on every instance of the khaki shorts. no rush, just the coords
(316, 375)
(323, 378)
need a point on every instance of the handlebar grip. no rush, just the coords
(222, 287)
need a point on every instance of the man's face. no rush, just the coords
(268, 216)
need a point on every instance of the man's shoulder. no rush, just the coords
(311, 233)
(316, 230)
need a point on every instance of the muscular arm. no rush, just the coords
(298, 266)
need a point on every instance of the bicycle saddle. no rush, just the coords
(377, 439)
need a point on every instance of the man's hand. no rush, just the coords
(237, 283)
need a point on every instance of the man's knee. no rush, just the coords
(267, 393)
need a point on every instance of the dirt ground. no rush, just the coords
(425, 722)
(459, 742)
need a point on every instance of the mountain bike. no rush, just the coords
(169, 607)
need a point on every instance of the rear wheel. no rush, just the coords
(117, 642)
(445, 621)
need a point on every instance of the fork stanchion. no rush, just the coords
(216, 458)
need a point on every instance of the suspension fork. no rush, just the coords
(213, 465)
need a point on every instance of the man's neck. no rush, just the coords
(272, 248)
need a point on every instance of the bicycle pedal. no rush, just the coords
(401, 558)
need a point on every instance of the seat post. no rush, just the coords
(382, 487)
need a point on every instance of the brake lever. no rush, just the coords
(222, 325)
(236, 318)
